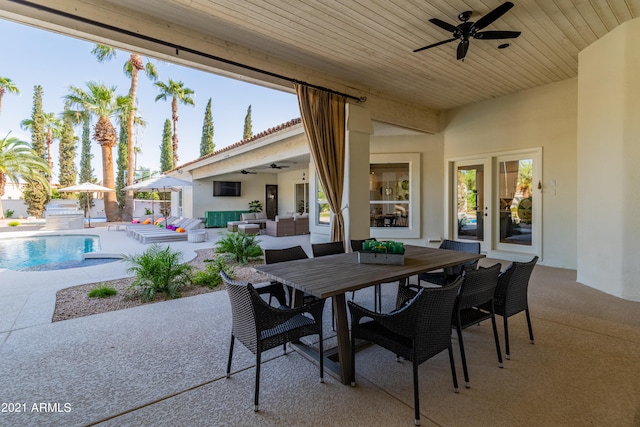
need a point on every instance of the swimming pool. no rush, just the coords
(49, 252)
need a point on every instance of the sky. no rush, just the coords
(56, 62)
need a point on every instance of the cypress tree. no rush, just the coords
(35, 194)
(86, 171)
(166, 148)
(206, 142)
(248, 132)
(68, 171)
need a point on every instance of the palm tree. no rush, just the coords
(19, 161)
(53, 125)
(123, 119)
(7, 85)
(178, 93)
(131, 68)
(100, 101)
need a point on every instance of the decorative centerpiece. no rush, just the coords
(381, 252)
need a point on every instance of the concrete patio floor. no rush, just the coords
(163, 364)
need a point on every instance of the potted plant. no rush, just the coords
(255, 206)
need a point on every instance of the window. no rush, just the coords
(389, 194)
(323, 211)
(302, 197)
(394, 195)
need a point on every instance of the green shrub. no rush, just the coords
(102, 291)
(241, 245)
(8, 213)
(158, 270)
(13, 223)
(210, 276)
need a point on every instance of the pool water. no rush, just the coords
(50, 252)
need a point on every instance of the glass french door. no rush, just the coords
(472, 195)
(497, 202)
(519, 202)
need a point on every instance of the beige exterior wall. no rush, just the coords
(252, 189)
(542, 117)
(431, 149)
(608, 154)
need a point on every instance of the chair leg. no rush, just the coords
(529, 324)
(416, 392)
(230, 356)
(506, 337)
(495, 337)
(256, 407)
(462, 355)
(453, 370)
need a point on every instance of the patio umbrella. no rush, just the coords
(161, 184)
(87, 187)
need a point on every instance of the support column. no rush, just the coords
(356, 180)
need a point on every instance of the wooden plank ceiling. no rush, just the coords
(370, 42)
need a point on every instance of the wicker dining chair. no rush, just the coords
(330, 248)
(356, 246)
(324, 249)
(261, 327)
(511, 295)
(477, 289)
(449, 274)
(417, 331)
(272, 256)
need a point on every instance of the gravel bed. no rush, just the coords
(73, 302)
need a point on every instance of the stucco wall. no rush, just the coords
(543, 117)
(608, 153)
(253, 188)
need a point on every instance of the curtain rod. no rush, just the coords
(179, 48)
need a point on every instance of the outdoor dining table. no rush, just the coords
(334, 275)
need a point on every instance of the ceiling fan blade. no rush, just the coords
(462, 49)
(491, 16)
(275, 166)
(495, 35)
(435, 44)
(444, 25)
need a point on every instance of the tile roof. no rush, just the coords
(246, 141)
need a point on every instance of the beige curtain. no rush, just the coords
(323, 117)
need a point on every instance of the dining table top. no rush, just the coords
(331, 275)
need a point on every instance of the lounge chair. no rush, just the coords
(137, 232)
(169, 235)
(130, 228)
(182, 223)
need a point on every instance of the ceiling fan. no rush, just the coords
(468, 29)
(275, 166)
(246, 172)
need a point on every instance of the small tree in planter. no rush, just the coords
(255, 206)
